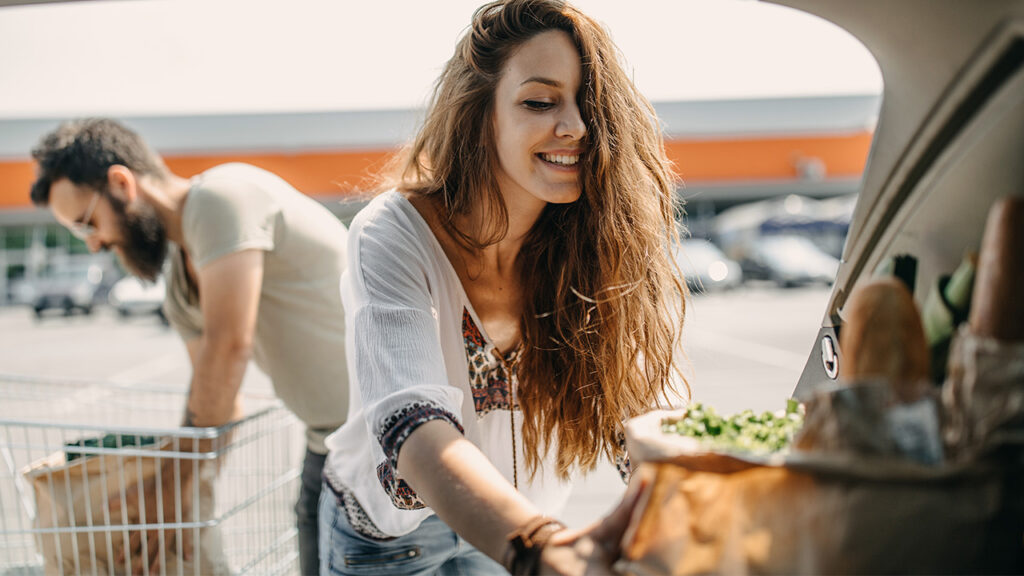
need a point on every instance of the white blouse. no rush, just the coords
(417, 352)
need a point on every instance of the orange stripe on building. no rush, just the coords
(15, 180)
(717, 161)
(345, 172)
(316, 174)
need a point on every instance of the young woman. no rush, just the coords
(509, 305)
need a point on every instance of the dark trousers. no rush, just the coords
(306, 512)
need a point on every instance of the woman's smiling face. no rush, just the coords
(538, 130)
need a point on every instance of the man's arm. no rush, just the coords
(192, 346)
(229, 291)
(229, 296)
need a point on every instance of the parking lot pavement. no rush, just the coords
(101, 347)
(746, 349)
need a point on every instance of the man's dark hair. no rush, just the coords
(83, 150)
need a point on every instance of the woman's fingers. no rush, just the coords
(594, 550)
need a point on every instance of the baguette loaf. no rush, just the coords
(997, 304)
(883, 338)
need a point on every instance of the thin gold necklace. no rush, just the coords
(512, 420)
(511, 408)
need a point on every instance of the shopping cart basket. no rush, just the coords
(80, 458)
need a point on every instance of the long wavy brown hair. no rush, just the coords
(604, 302)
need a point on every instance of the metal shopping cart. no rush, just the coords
(81, 461)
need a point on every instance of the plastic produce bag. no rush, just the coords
(983, 396)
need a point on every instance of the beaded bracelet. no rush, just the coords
(526, 544)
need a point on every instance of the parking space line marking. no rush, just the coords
(740, 348)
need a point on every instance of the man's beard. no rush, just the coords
(144, 248)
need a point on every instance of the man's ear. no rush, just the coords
(122, 183)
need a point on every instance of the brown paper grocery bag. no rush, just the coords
(706, 512)
(78, 493)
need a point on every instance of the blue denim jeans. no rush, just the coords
(432, 548)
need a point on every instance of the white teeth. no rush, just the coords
(561, 159)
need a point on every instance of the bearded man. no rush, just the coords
(254, 273)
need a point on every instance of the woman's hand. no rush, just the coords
(595, 549)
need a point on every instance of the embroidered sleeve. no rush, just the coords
(397, 427)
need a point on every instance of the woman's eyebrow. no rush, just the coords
(542, 80)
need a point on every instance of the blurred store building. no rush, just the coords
(726, 152)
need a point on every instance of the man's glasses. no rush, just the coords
(81, 228)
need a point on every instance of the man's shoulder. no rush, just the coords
(229, 207)
(228, 180)
(231, 188)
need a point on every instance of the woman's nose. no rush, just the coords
(570, 123)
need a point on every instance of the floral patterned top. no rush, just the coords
(417, 353)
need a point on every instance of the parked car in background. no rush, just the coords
(70, 288)
(823, 222)
(789, 261)
(131, 296)
(21, 291)
(705, 267)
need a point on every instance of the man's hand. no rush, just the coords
(144, 546)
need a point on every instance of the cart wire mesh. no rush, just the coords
(84, 466)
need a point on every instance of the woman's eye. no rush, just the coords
(538, 104)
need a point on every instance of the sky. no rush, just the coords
(158, 57)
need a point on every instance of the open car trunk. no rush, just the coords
(949, 142)
(881, 481)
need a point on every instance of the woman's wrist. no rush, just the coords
(526, 543)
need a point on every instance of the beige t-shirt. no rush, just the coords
(300, 329)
